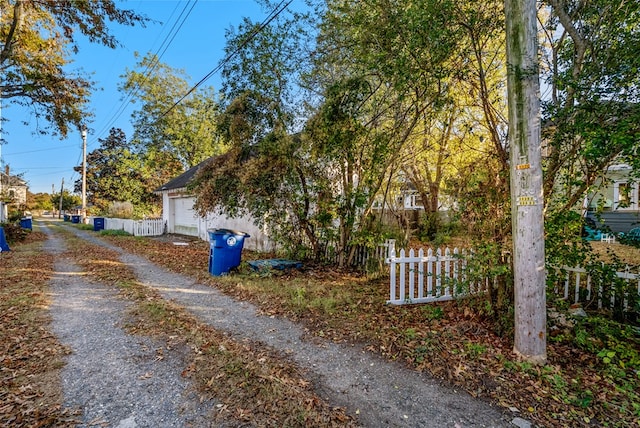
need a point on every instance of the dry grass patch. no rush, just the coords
(624, 253)
(252, 384)
(30, 355)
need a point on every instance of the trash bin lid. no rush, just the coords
(227, 232)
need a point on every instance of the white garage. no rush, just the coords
(181, 218)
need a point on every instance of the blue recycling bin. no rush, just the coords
(4, 246)
(26, 223)
(98, 223)
(75, 219)
(225, 250)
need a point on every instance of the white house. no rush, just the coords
(616, 201)
(181, 218)
(13, 191)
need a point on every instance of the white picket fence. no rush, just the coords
(440, 275)
(437, 276)
(578, 286)
(154, 227)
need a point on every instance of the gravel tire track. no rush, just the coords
(379, 392)
(114, 378)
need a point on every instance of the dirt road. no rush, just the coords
(117, 380)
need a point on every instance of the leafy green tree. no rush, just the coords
(167, 126)
(69, 201)
(380, 74)
(270, 61)
(436, 69)
(266, 171)
(37, 39)
(480, 185)
(39, 201)
(592, 114)
(432, 154)
(116, 174)
(354, 158)
(467, 135)
(375, 79)
(268, 179)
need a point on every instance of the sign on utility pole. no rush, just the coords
(530, 340)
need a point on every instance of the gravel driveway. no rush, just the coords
(117, 379)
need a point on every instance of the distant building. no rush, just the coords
(13, 191)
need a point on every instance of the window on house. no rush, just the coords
(624, 195)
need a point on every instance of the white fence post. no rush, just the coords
(412, 268)
(403, 295)
(421, 274)
(430, 278)
(392, 269)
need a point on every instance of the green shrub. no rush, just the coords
(14, 216)
(118, 232)
(616, 345)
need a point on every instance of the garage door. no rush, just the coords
(185, 220)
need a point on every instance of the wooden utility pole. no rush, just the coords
(530, 340)
(83, 131)
(61, 190)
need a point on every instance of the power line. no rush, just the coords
(274, 14)
(14, 169)
(40, 150)
(171, 35)
(150, 67)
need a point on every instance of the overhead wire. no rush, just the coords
(40, 150)
(167, 42)
(159, 53)
(274, 14)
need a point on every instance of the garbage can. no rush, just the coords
(26, 223)
(3, 241)
(98, 223)
(225, 250)
(67, 217)
(75, 219)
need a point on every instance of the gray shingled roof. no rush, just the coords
(12, 180)
(181, 181)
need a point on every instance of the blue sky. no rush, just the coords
(197, 48)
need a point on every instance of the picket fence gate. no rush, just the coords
(440, 275)
(153, 227)
(434, 277)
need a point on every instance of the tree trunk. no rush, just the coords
(527, 199)
(16, 22)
